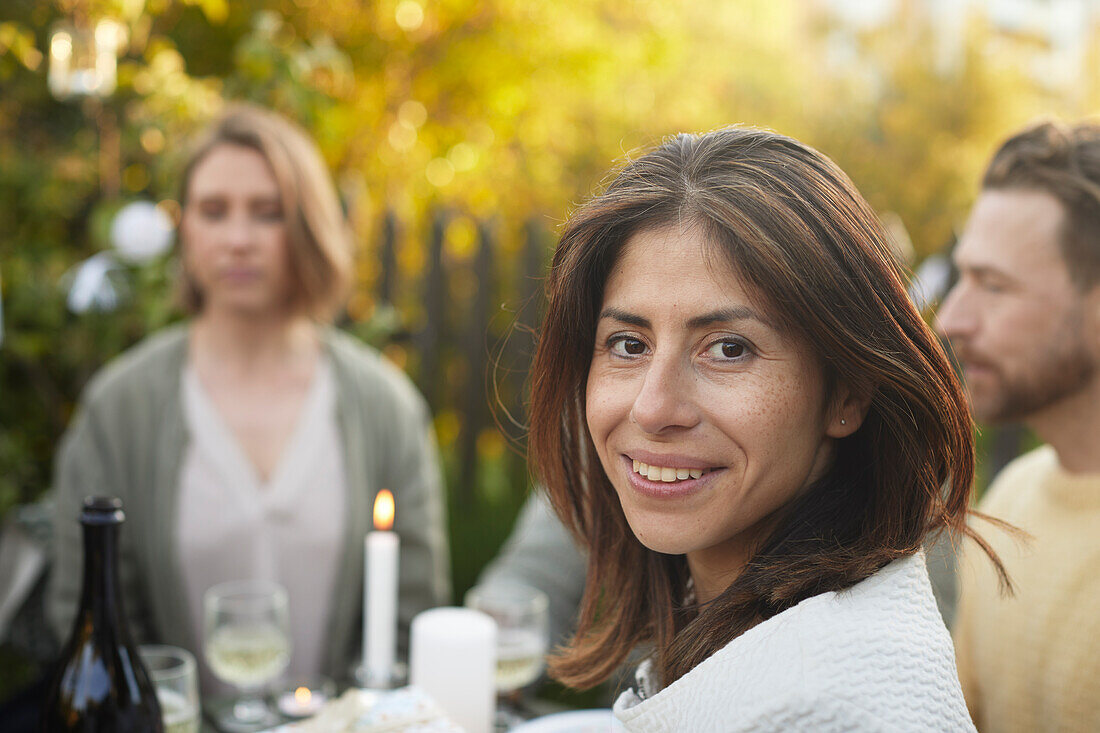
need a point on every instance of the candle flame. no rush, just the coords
(383, 510)
(302, 696)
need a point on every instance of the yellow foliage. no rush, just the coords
(135, 177)
(360, 306)
(397, 354)
(490, 444)
(216, 11)
(411, 259)
(461, 238)
(447, 425)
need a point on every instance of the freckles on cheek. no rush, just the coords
(768, 425)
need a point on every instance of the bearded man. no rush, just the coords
(1024, 321)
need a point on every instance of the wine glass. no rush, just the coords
(523, 637)
(172, 671)
(247, 645)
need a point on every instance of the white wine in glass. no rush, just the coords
(248, 655)
(247, 645)
(523, 636)
(521, 655)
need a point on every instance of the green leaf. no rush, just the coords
(216, 11)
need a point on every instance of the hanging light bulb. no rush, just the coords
(84, 59)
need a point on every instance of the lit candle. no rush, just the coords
(301, 702)
(380, 595)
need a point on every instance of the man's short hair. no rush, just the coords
(1064, 161)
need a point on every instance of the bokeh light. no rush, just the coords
(409, 15)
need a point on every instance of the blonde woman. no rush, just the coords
(250, 441)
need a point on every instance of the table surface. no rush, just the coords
(531, 708)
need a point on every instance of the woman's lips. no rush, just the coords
(240, 275)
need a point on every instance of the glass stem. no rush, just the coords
(250, 707)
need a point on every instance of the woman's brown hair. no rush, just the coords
(317, 233)
(799, 235)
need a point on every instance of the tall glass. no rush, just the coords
(523, 637)
(247, 645)
(174, 677)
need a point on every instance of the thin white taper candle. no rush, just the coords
(380, 549)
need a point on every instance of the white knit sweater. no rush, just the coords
(875, 657)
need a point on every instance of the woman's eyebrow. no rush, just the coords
(623, 316)
(219, 195)
(727, 315)
(722, 315)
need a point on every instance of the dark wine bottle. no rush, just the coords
(100, 683)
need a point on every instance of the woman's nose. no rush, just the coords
(238, 232)
(666, 397)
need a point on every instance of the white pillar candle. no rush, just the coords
(453, 659)
(380, 595)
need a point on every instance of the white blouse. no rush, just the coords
(875, 657)
(234, 526)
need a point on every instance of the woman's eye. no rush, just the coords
(212, 212)
(728, 350)
(625, 346)
(270, 215)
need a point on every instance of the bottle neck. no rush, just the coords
(101, 597)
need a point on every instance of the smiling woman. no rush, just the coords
(687, 378)
(740, 415)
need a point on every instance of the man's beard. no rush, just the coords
(1067, 368)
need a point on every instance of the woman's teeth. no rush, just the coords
(666, 474)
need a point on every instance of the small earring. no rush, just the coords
(843, 421)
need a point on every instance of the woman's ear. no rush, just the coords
(848, 410)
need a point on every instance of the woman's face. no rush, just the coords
(234, 234)
(705, 416)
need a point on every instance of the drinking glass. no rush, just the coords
(523, 637)
(173, 674)
(247, 645)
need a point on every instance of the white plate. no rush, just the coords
(577, 721)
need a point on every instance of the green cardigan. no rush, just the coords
(128, 440)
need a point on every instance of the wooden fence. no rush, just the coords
(469, 353)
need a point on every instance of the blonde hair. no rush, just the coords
(318, 237)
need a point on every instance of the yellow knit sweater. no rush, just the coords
(1031, 663)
